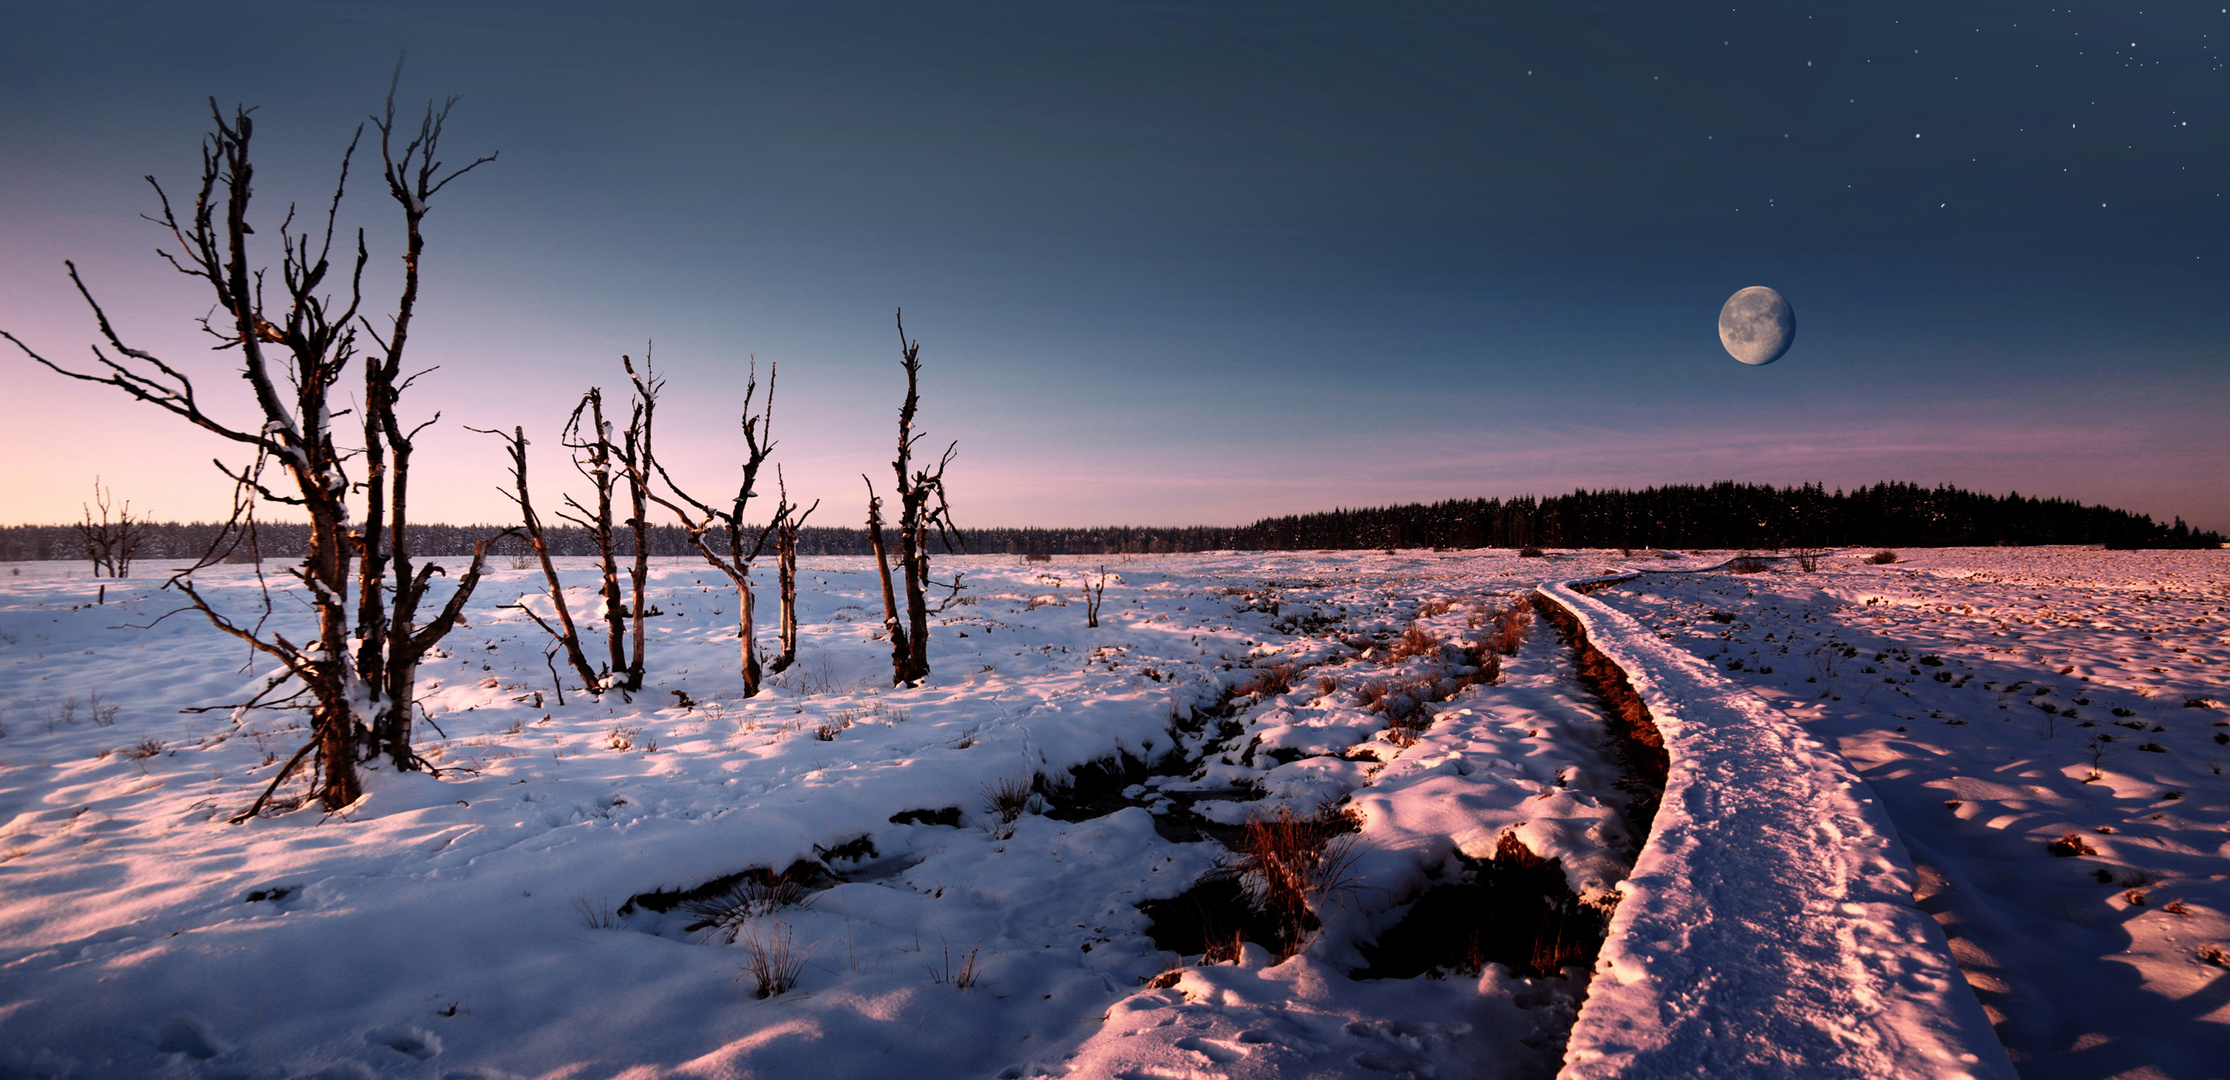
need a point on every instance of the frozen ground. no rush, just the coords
(473, 926)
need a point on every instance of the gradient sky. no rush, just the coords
(1195, 264)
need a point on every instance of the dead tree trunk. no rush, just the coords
(632, 453)
(787, 521)
(711, 529)
(566, 637)
(901, 654)
(592, 457)
(359, 670)
(921, 506)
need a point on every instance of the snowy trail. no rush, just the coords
(1768, 928)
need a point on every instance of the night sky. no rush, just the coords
(1176, 264)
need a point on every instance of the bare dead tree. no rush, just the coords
(1092, 598)
(788, 519)
(360, 673)
(111, 544)
(718, 533)
(593, 457)
(633, 454)
(565, 637)
(921, 507)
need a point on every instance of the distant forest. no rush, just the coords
(1723, 515)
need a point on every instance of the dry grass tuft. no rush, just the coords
(726, 915)
(968, 974)
(1882, 558)
(776, 959)
(1287, 863)
(1011, 798)
(1269, 681)
(1414, 641)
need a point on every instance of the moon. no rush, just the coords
(1757, 326)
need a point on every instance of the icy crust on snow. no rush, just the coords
(1768, 927)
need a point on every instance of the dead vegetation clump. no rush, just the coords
(1269, 681)
(1287, 864)
(1414, 641)
(1882, 558)
(1513, 908)
(1748, 564)
(2069, 845)
(1009, 799)
(1284, 867)
(725, 914)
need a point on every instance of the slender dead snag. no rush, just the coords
(921, 505)
(110, 544)
(633, 454)
(293, 352)
(788, 519)
(593, 454)
(1092, 598)
(567, 636)
(901, 655)
(710, 528)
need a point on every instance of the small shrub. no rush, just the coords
(621, 738)
(1037, 556)
(1531, 552)
(1326, 684)
(1748, 564)
(775, 962)
(1882, 558)
(104, 713)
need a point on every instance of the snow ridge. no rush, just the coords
(1768, 927)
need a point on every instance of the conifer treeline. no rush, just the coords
(1722, 515)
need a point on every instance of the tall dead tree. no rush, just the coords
(718, 532)
(110, 545)
(565, 636)
(633, 457)
(590, 439)
(788, 519)
(921, 507)
(359, 673)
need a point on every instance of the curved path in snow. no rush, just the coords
(1768, 929)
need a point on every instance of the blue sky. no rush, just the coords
(1200, 263)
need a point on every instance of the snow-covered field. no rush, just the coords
(478, 924)
(1996, 701)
